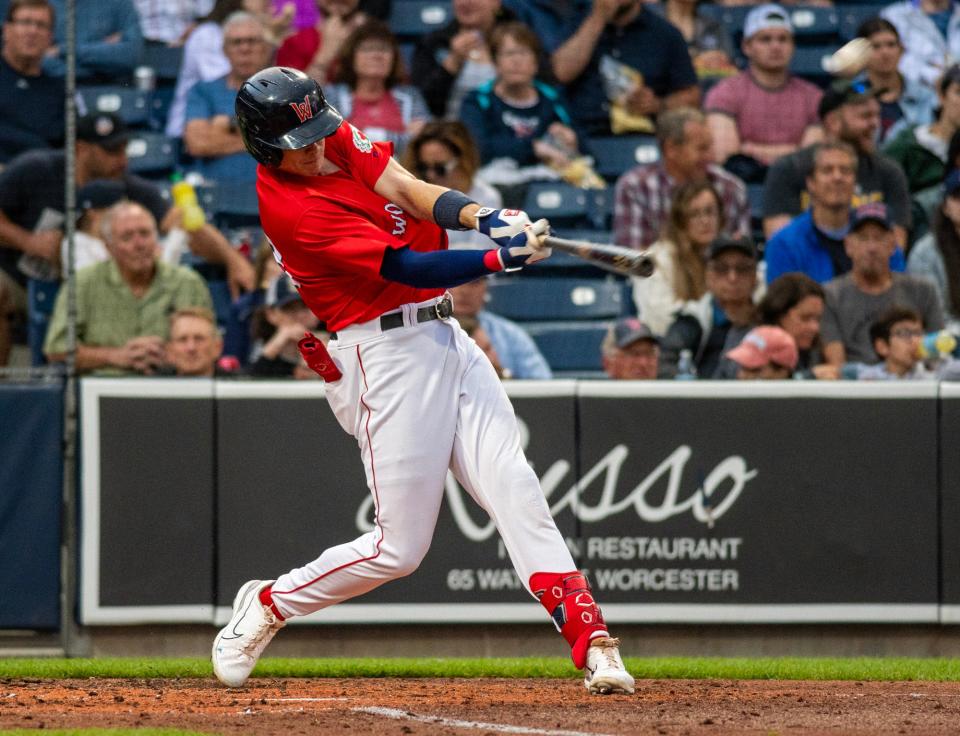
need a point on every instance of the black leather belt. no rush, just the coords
(441, 310)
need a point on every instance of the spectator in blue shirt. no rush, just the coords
(625, 32)
(211, 134)
(510, 116)
(813, 242)
(518, 353)
(109, 41)
(31, 102)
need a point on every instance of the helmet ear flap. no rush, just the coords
(264, 154)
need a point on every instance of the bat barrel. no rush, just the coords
(616, 258)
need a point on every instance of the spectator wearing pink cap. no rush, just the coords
(764, 112)
(630, 351)
(766, 353)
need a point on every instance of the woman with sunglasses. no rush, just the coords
(516, 116)
(370, 93)
(444, 154)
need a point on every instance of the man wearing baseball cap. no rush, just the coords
(766, 352)
(856, 299)
(32, 207)
(764, 112)
(717, 321)
(849, 111)
(630, 351)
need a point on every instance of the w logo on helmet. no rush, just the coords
(302, 108)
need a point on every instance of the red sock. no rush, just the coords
(575, 613)
(266, 598)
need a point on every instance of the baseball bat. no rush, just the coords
(616, 258)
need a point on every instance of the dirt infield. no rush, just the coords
(281, 707)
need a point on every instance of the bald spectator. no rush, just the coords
(31, 101)
(32, 211)
(645, 193)
(195, 344)
(630, 351)
(764, 112)
(123, 303)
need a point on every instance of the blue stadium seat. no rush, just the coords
(616, 154)
(808, 62)
(131, 105)
(853, 15)
(528, 298)
(151, 154)
(601, 208)
(164, 60)
(559, 202)
(412, 18)
(235, 205)
(570, 347)
(814, 22)
(41, 296)
(755, 198)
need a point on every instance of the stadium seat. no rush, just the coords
(616, 154)
(559, 202)
(570, 347)
(808, 62)
(164, 60)
(412, 18)
(853, 15)
(41, 296)
(814, 22)
(235, 205)
(601, 208)
(131, 105)
(151, 154)
(537, 299)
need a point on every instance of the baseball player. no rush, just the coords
(364, 242)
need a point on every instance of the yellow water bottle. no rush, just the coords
(185, 197)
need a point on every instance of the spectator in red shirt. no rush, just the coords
(315, 49)
(763, 112)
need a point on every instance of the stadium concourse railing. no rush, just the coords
(734, 502)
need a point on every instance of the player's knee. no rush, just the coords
(403, 560)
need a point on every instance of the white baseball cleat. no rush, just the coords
(240, 643)
(605, 673)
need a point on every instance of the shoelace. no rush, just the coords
(608, 651)
(269, 622)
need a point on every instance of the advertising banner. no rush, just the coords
(720, 502)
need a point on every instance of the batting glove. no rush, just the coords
(501, 225)
(526, 247)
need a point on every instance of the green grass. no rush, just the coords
(106, 732)
(771, 668)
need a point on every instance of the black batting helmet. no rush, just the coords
(281, 109)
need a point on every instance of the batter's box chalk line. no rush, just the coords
(402, 715)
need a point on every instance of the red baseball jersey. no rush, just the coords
(331, 232)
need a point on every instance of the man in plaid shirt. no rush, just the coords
(644, 194)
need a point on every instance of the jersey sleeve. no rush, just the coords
(350, 150)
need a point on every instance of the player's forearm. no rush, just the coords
(437, 269)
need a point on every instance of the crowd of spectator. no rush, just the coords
(800, 227)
